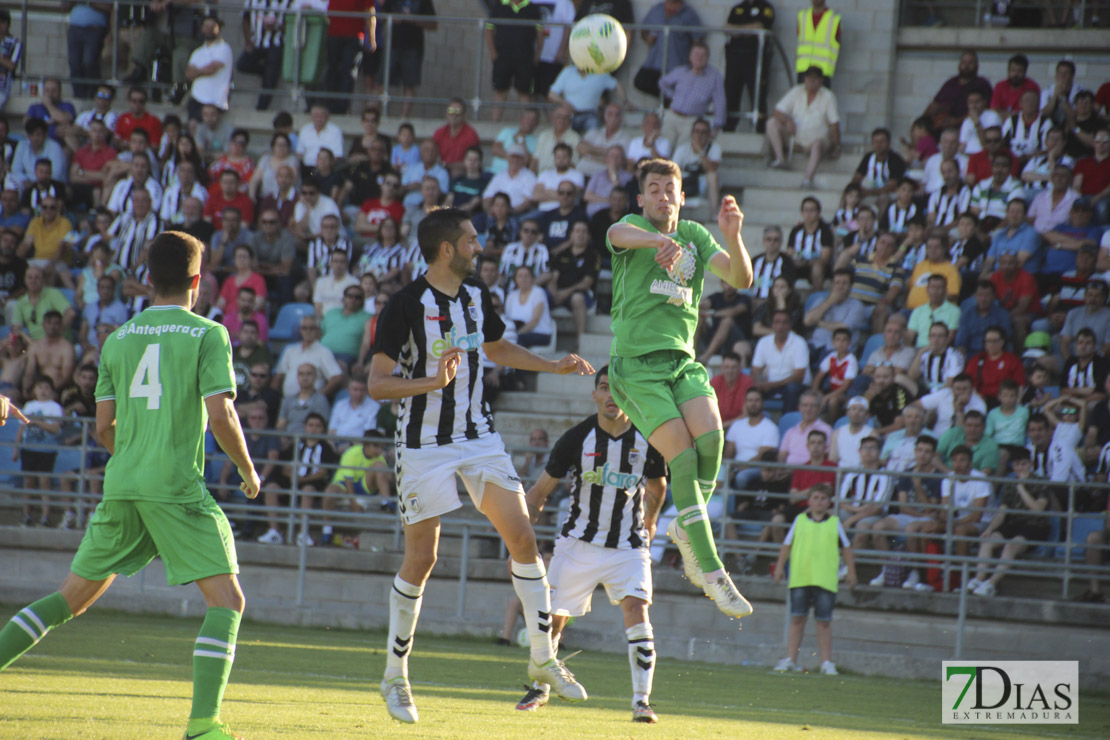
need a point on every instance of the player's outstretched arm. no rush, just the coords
(224, 423)
(384, 385)
(734, 267)
(7, 408)
(537, 495)
(508, 354)
(629, 236)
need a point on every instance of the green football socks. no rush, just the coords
(711, 449)
(30, 625)
(691, 509)
(213, 654)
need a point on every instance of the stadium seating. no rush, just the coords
(789, 419)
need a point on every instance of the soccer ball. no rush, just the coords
(598, 44)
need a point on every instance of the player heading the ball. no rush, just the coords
(659, 264)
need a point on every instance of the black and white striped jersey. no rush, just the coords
(867, 488)
(319, 253)
(896, 218)
(607, 494)
(256, 13)
(416, 327)
(936, 370)
(131, 235)
(948, 205)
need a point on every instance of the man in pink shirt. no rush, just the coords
(793, 449)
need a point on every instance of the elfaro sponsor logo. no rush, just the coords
(1010, 692)
(606, 476)
(465, 342)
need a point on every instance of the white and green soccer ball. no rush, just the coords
(598, 44)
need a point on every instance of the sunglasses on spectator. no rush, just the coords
(358, 296)
(104, 95)
(454, 110)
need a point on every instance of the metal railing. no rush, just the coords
(80, 482)
(1020, 14)
(449, 26)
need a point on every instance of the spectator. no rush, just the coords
(894, 352)
(231, 235)
(915, 512)
(953, 199)
(285, 197)
(805, 117)
(948, 406)
(320, 133)
(692, 89)
(467, 187)
(172, 206)
(1093, 314)
(10, 50)
(583, 93)
(228, 195)
(1007, 95)
(726, 318)
(677, 48)
(363, 475)
(771, 264)
(603, 183)
(58, 114)
(742, 62)
(132, 230)
(1024, 131)
(414, 174)
(383, 259)
(844, 446)
(980, 121)
(36, 443)
(1038, 170)
(88, 170)
(887, 399)
(881, 169)
(836, 371)
(309, 350)
(51, 355)
(44, 243)
(1014, 526)
(864, 496)
(355, 415)
(455, 137)
(603, 219)
(330, 290)
(651, 145)
(837, 311)
(256, 388)
(749, 438)
(35, 147)
(544, 150)
(1086, 124)
(878, 281)
(1007, 422)
(574, 275)
(245, 310)
(780, 365)
(193, 223)
(263, 46)
(244, 276)
(310, 211)
(993, 365)
(13, 269)
(406, 60)
(699, 159)
(43, 186)
(977, 314)
(936, 309)
(1092, 176)
(524, 134)
(320, 249)
(527, 307)
(536, 458)
(1058, 99)
(731, 387)
(1068, 293)
(949, 149)
(139, 178)
(430, 196)
(761, 502)
(783, 298)
(376, 210)
(936, 263)
(514, 51)
(1085, 373)
(317, 460)
(1015, 236)
(801, 481)
(343, 326)
(549, 183)
(1052, 206)
(344, 45)
(517, 182)
(209, 69)
(949, 106)
(595, 143)
(936, 363)
(810, 244)
(235, 158)
(11, 217)
(813, 572)
(903, 211)
(969, 495)
(1067, 237)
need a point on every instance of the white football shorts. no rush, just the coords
(577, 568)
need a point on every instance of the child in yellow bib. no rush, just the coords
(811, 546)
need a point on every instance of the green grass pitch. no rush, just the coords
(112, 675)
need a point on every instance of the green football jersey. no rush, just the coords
(656, 309)
(158, 368)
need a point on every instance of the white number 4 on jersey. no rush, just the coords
(145, 383)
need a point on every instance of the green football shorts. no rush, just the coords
(193, 539)
(651, 387)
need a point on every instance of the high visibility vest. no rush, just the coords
(817, 47)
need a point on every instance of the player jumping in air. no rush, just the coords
(618, 490)
(658, 273)
(437, 329)
(163, 375)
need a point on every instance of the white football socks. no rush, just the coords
(404, 610)
(641, 659)
(530, 584)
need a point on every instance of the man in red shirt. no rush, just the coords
(375, 210)
(802, 480)
(1006, 98)
(994, 364)
(1092, 176)
(731, 387)
(979, 164)
(86, 171)
(228, 194)
(455, 137)
(1017, 292)
(343, 48)
(138, 117)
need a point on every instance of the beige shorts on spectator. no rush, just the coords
(426, 477)
(578, 568)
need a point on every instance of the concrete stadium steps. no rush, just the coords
(545, 405)
(515, 426)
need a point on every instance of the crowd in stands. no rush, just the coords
(949, 316)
